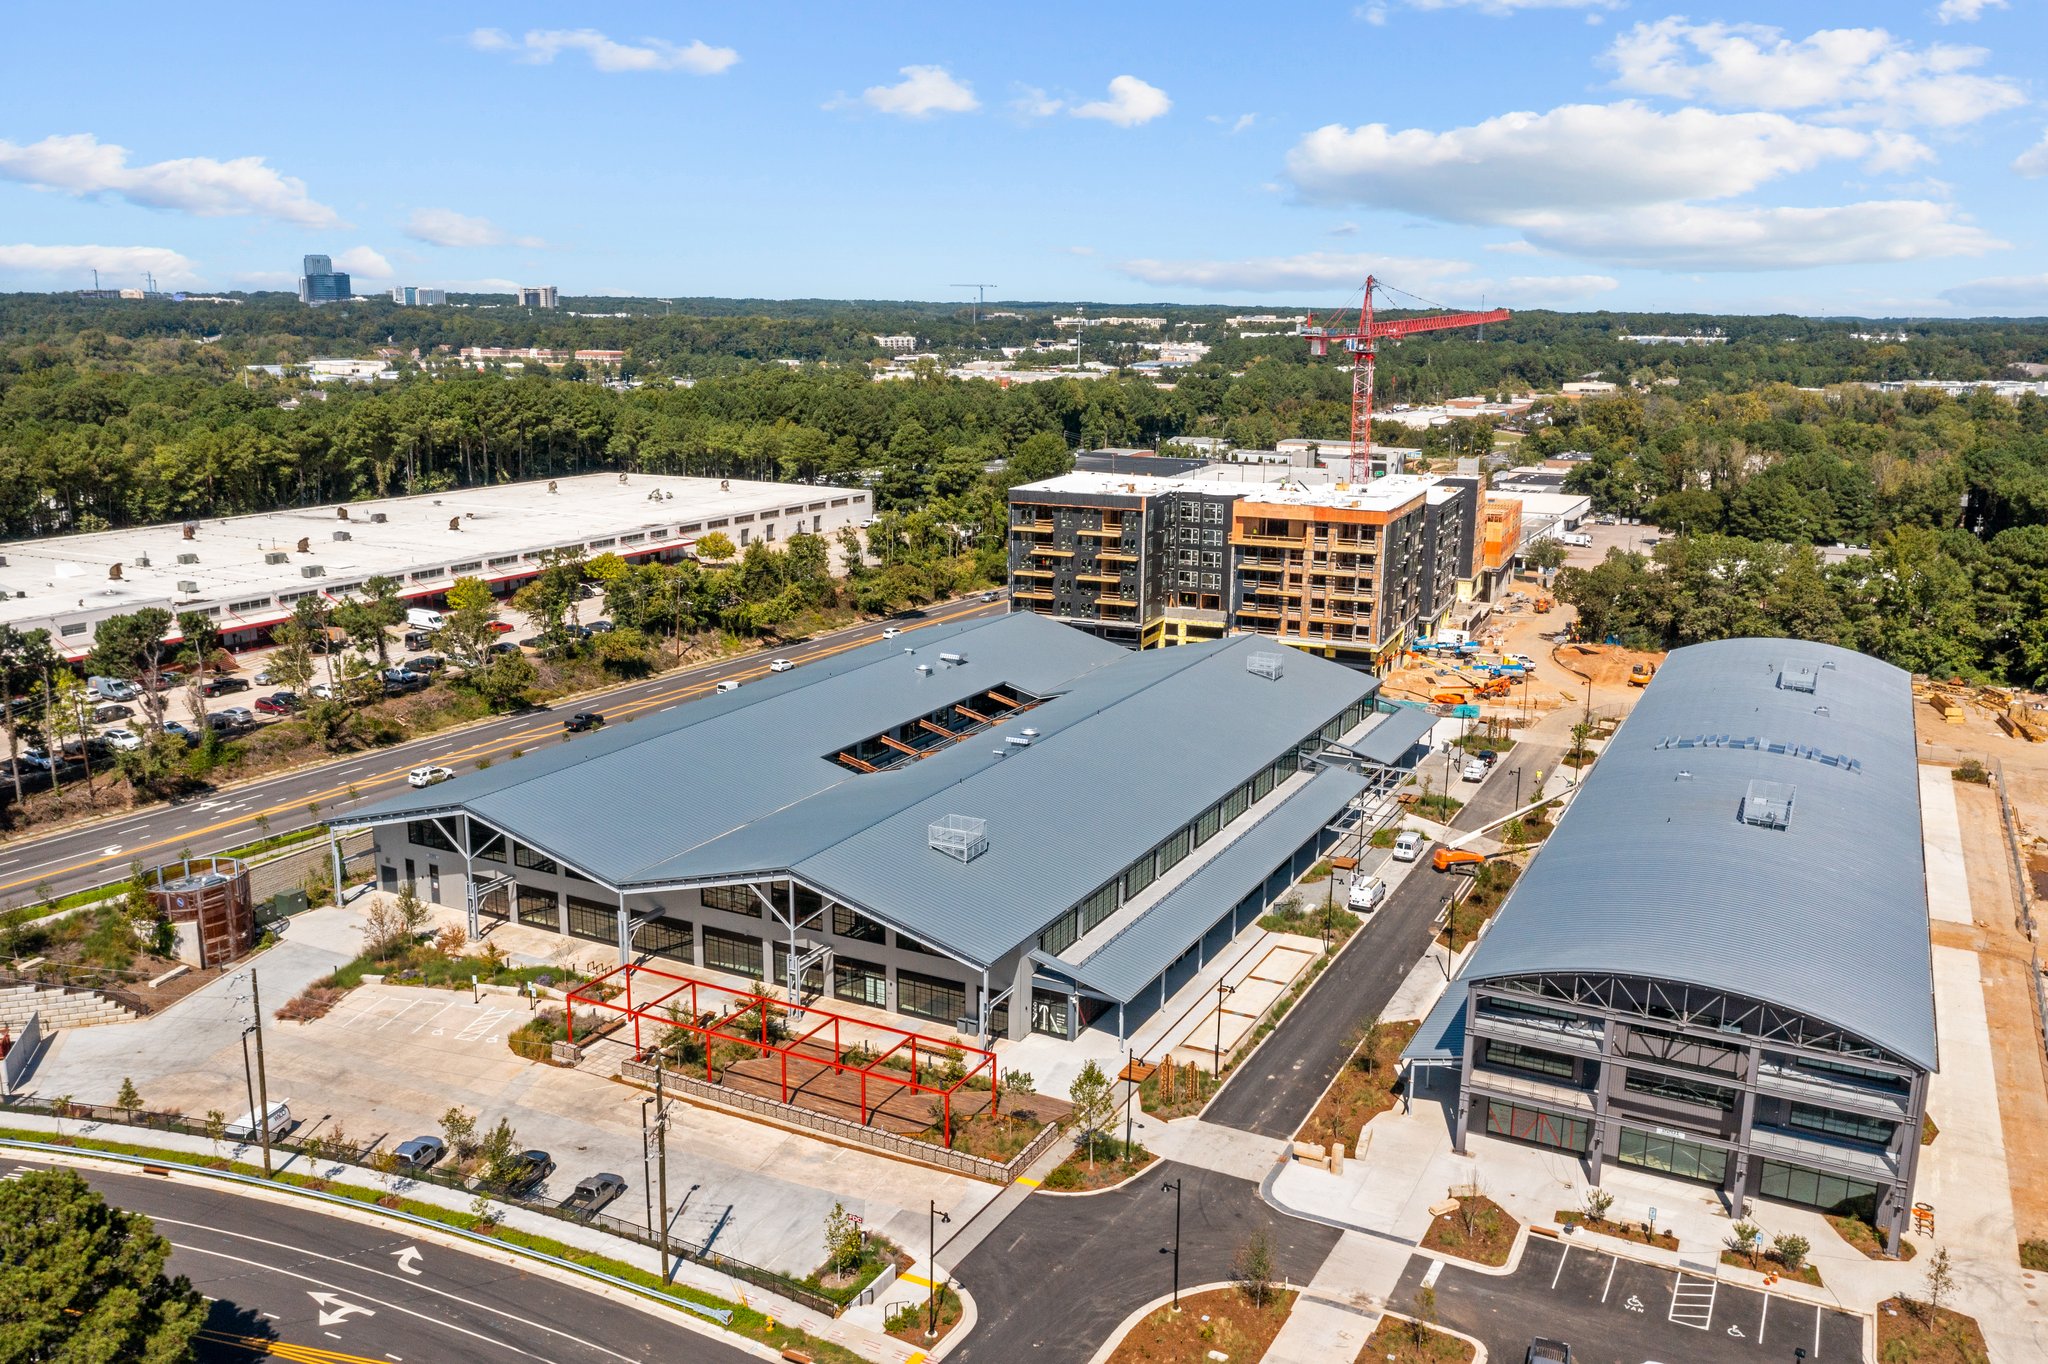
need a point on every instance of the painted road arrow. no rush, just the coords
(334, 1310)
(408, 1260)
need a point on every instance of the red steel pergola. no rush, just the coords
(727, 1004)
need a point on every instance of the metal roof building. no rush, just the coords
(1726, 937)
(937, 824)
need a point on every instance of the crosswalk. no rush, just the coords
(1692, 1301)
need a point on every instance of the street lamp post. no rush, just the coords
(1518, 788)
(931, 1327)
(1223, 992)
(1174, 1250)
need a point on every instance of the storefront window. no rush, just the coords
(1535, 1125)
(1672, 1156)
(733, 952)
(1832, 1194)
(921, 996)
(862, 982)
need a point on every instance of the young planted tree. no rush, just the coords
(1252, 1267)
(80, 1280)
(1941, 1279)
(391, 922)
(1093, 1104)
(844, 1242)
(1744, 1238)
(1791, 1250)
(458, 1129)
(130, 1098)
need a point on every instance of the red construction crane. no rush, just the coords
(1360, 342)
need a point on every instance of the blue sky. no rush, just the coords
(1878, 159)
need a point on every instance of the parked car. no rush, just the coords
(178, 731)
(1474, 770)
(780, 665)
(221, 686)
(1366, 894)
(501, 627)
(106, 715)
(123, 740)
(418, 639)
(1543, 1351)
(592, 1192)
(423, 618)
(1408, 846)
(279, 703)
(419, 1153)
(322, 691)
(398, 681)
(429, 776)
(527, 1170)
(232, 718)
(265, 677)
(597, 627)
(583, 720)
(1488, 756)
(112, 688)
(426, 663)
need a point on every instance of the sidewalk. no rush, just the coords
(1339, 1308)
(869, 1342)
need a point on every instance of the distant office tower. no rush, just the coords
(321, 283)
(536, 296)
(413, 296)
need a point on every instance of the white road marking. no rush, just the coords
(1613, 1261)
(1692, 1301)
(1560, 1266)
(1763, 1320)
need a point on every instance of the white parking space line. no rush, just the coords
(1555, 1274)
(1765, 1319)
(1613, 1263)
(1692, 1301)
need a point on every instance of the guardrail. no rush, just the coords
(320, 1150)
(845, 1129)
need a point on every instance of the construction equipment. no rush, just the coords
(1362, 342)
(1639, 674)
(1544, 605)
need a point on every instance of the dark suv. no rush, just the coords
(526, 1171)
(221, 686)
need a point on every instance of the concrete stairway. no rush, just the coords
(76, 1009)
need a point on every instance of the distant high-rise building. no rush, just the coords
(535, 296)
(413, 296)
(321, 283)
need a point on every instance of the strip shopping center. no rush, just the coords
(1718, 966)
(1002, 826)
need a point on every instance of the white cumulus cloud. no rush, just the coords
(1317, 270)
(364, 262)
(1130, 103)
(1579, 157)
(80, 164)
(73, 265)
(923, 91)
(1850, 74)
(1502, 7)
(2033, 162)
(446, 227)
(1713, 237)
(1964, 11)
(541, 46)
(1032, 102)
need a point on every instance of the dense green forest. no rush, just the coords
(119, 413)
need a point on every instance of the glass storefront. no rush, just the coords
(1504, 1119)
(1671, 1155)
(1834, 1194)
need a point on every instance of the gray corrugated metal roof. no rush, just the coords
(1127, 963)
(1655, 872)
(1388, 742)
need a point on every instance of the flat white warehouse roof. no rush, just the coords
(65, 584)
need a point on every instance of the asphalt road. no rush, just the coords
(289, 1273)
(93, 854)
(1615, 1311)
(1055, 1279)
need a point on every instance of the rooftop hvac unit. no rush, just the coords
(187, 587)
(1798, 679)
(343, 535)
(1268, 666)
(378, 518)
(1019, 741)
(924, 667)
(960, 836)
(312, 570)
(188, 558)
(142, 561)
(277, 556)
(953, 658)
(1030, 733)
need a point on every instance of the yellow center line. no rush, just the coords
(688, 691)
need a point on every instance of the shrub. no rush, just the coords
(1972, 771)
(1791, 1250)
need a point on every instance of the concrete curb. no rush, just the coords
(1130, 1178)
(1478, 1348)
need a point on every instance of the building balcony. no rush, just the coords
(1816, 1152)
(1117, 556)
(1111, 579)
(1108, 599)
(1102, 533)
(1830, 1091)
(1044, 573)
(1031, 527)
(1532, 1088)
(1266, 541)
(1259, 609)
(1551, 1035)
(1031, 593)
(1047, 552)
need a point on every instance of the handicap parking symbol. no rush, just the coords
(1736, 1331)
(1634, 1303)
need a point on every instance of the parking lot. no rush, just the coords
(1616, 1311)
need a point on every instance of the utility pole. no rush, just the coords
(1223, 992)
(262, 1078)
(1174, 1250)
(661, 1165)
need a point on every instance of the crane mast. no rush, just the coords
(1361, 343)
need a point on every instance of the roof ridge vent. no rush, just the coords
(1768, 804)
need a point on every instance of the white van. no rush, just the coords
(244, 1128)
(727, 685)
(420, 618)
(1408, 846)
(1366, 894)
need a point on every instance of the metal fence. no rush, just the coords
(845, 1129)
(321, 1150)
(2023, 900)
